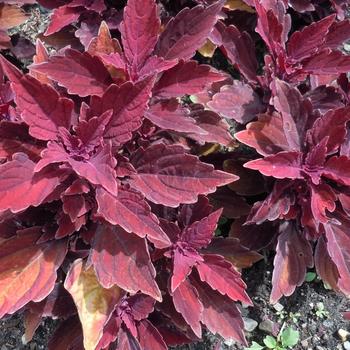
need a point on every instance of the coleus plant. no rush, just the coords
(98, 190)
(304, 150)
(301, 105)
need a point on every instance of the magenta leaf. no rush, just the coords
(187, 32)
(187, 303)
(311, 37)
(61, 17)
(237, 101)
(186, 78)
(222, 276)
(167, 175)
(41, 107)
(338, 169)
(21, 187)
(132, 213)
(123, 259)
(149, 336)
(140, 29)
(199, 234)
(169, 114)
(293, 257)
(80, 73)
(281, 165)
(128, 102)
(338, 247)
(220, 314)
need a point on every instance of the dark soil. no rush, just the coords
(12, 330)
(315, 332)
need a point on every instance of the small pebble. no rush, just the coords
(316, 339)
(249, 324)
(343, 334)
(319, 347)
(278, 307)
(267, 326)
(347, 345)
(325, 337)
(229, 342)
(304, 325)
(328, 323)
(304, 343)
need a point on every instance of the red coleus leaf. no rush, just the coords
(217, 129)
(21, 187)
(187, 32)
(28, 270)
(67, 335)
(149, 336)
(338, 169)
(141, 306)
(187, 303)
(337, 34)
(222, 276)
(126, 341)
(186, 78)
(171, 115)
(167, 175)
(199, 234)
(61, 17)
(123, 259)
(325, 266)
(98, 169)
(294, 110)
(273, 23)
(41, 107)
(281, 165)
(220, 315)
(293, 257)
(322, 198)
(265, 135)
(140, 29)
(132, 213)
(90, 132)
(308, 41)
(183, 261)
(338, 247)
(235, 251)
(80, 73)
(237, 101)
(327, 62)
(331, 125)
(276, 205)
(240, 50)
(128, 103)
(11, 16)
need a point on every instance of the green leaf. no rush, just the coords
(310, 276)
(289, 337)
(255, 346)
(270, 342)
